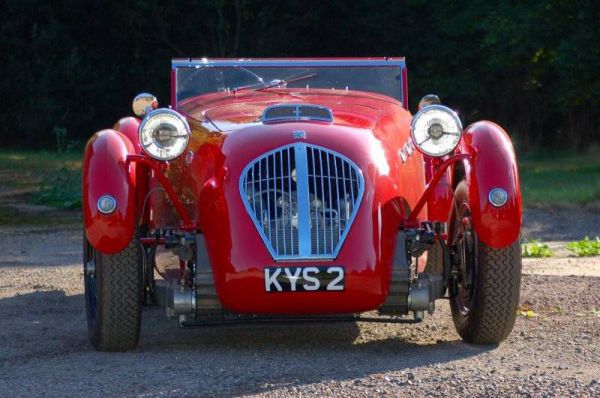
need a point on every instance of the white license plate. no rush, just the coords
(304, 279)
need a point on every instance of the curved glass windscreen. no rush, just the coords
(195, 78)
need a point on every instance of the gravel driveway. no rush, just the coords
(44, 349)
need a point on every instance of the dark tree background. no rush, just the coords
(73, 66)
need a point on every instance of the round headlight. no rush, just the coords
(164, 134)
(436, 130)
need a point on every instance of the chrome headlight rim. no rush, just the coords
(151, 122)
(454, 117)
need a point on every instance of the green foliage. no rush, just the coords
(60, 189)
(585, 247)
(45, 178)
(536, 249)
(556, 178)
(530, 66)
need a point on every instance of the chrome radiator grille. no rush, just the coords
(302, 199)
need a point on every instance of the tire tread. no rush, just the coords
(119, 283)
(493, 316)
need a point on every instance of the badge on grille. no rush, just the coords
(299, 135)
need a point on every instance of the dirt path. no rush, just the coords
(44, 349)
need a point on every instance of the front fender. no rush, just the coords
(105, 172)
(493, 164)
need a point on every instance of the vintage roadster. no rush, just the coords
(299, 190)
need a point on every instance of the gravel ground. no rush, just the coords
(44, 349)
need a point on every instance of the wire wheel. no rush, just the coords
(485, 287)
(467, 245)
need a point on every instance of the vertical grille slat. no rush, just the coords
(267, 202)
(330, 203)
(337, 192)
(289, 174)
(314, 177)
(283, 230)
(319, 250)
(295, 200)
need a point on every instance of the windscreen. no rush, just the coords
(199, 80)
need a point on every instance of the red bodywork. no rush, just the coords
(203, 190)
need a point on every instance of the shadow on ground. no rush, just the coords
(45, 335)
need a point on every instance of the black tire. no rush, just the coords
(113, 297)
(485, 312)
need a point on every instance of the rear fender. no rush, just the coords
(492, 165)
(105, 172)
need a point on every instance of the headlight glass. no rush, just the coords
(436, 130)
(164, 134)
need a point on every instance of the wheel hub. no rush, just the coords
(464, 280)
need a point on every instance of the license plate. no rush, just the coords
(304, 279)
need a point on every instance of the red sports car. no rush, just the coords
(299, 190)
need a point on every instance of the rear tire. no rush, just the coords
(484, 305)
(113, 293)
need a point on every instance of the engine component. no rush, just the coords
(417, 295)
(182, 301)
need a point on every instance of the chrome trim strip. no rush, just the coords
(303, 200)
(179, 63)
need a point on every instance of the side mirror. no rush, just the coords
(429, 99)
(144, 103)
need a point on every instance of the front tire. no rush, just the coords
(113, 297)
(485, 296)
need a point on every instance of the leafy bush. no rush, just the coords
(585, 247)
(536, 249)
(60, 189)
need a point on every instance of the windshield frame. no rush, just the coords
(290, 62)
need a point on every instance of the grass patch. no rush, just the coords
(585, 247)
(560, 179)
(44, 178)
(546, 180)
(536, 249)
(61, 189)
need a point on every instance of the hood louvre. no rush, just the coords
(296, 112)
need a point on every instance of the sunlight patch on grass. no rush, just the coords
(563, 179)
(52, 179)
